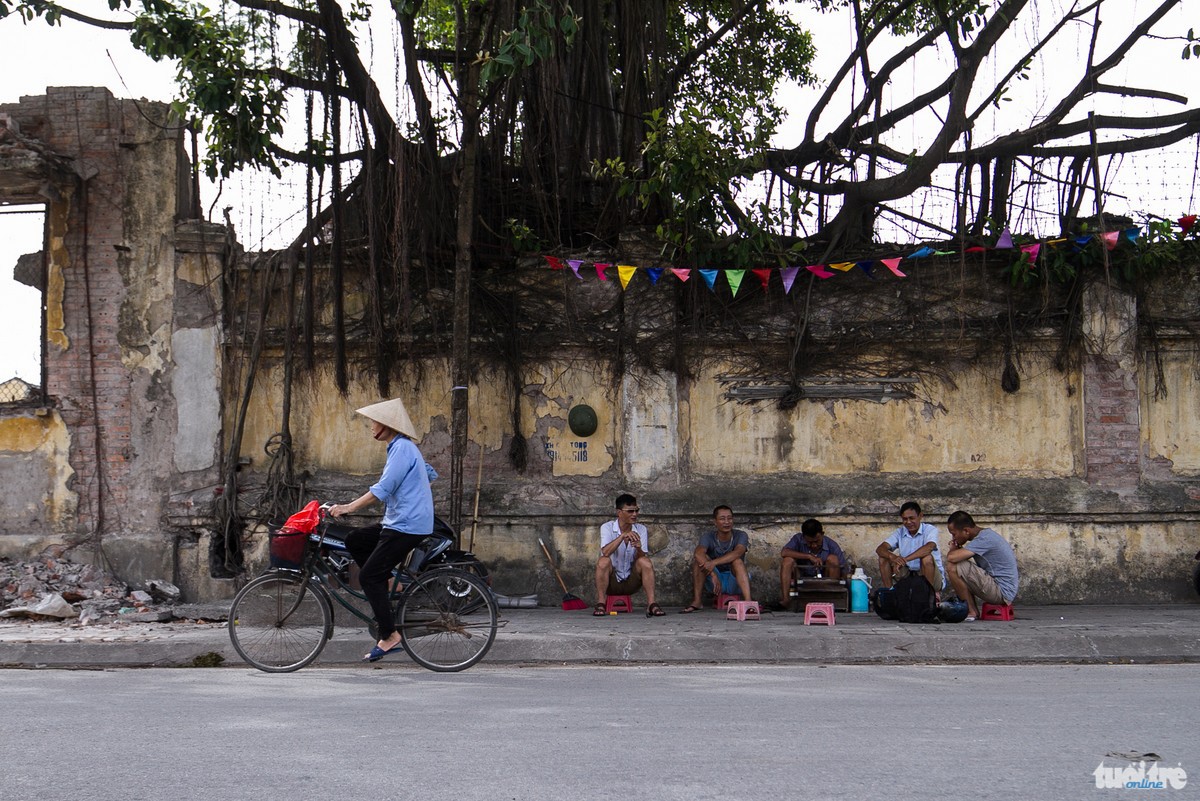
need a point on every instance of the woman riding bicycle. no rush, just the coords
(403, 488)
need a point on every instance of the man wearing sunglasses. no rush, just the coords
(624, 567)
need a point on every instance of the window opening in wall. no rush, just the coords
(22, 288)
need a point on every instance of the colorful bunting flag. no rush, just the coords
(819, 271)
(625, 273)
(734, 279)
(788, 274)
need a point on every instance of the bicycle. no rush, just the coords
(282, 620)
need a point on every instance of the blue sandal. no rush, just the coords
(378, 653)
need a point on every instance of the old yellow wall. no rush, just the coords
(329, 434)
(34, 460)
(1171, 425)
(1036, 431)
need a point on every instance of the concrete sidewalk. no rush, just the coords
(1040, 634)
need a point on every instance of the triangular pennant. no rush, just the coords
(600, 268)
(976, 249)
(842, 266)
(819, 271)
(867, 267)
(575, 265)
(921, 253)
(1132, 234)
(788, 274)
(1004, 242)
(764, 276)
(734, 278)
(554, 262)
(943, 252)
(1032, 251)
(682, 273)
(625, 273)
(654, 273)
(1081, 242)
(1187, 222)
(894, 266)
(1053, 242)
(710, 278)
(1111, 238)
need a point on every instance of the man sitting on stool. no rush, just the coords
(979, 563)
(913, 545)
(719, 561)
(813, 554)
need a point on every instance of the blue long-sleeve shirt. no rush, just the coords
(404, 489)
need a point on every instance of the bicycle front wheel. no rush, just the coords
(279, 622)
(448, 619)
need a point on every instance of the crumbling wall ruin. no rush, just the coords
(112, 465)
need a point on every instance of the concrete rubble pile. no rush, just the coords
(53, 588)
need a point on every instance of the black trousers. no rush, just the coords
(377, 550)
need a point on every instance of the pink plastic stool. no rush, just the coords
(723, 599)
(614, 601)
(742, 610)
(816, 613)
(997, 612)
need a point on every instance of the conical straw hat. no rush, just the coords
(392, 414)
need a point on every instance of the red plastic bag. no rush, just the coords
(305, 520)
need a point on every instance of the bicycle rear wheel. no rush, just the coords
(448, 619)
(279, 622)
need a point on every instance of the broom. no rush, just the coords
(570, 602)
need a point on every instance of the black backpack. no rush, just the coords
(910, 600)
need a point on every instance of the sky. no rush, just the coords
(35, 56)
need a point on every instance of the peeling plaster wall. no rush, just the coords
(1015, 461)
(36, 476)
(132, 370)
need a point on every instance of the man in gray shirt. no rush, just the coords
(980, 563)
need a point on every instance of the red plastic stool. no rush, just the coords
(815, 613)
(997, 612)
(742, 610)
(723, 599)
(614, 601)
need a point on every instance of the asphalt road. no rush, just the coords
(582, 733)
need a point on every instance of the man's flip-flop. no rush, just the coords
(687, 610)
(378, 653)
(654, 610)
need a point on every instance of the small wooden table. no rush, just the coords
(807, 590)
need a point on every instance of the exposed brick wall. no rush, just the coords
(1111, 423)
(88, 381)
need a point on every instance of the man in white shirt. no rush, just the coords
(624, 566)
(914, 545)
